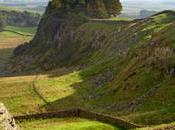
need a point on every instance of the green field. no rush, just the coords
(21, 30)
(65, 124)
(21, 9)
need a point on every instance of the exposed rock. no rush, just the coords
(7, 122)
(103, 78)
(21, 48)
(169, 127)
(132, 105)
(171, 71)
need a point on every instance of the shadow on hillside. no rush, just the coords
(8, 70)
(81, 98)
(86, 93)
(5, 54)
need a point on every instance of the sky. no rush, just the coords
(121, 0)
(134, 6)
(129, 6)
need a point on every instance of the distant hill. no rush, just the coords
(146, 13)
(17, 18)
(133, 7)
(34, 7)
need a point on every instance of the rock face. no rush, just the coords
(7, 122)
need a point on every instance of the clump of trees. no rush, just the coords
(15, 18)
(93, 8)
(1, 25)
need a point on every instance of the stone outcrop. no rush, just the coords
(7, 122)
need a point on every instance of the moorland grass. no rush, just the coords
(65, 124)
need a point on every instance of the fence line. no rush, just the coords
(81, 114)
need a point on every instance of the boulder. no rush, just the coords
(7, 122)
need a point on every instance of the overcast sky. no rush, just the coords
(121, 0)
(129, 5)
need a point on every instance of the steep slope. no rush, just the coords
(125, 68)
(74, 37)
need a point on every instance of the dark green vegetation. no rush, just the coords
(17, 18)
(93, 8)
(65, 124)
(122, 68)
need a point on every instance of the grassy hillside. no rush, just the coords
(129, 68)
(122, 68)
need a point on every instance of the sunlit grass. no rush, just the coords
(121, 19)
(65, 124)
(22, 30)
(19, 97)
(59, 87)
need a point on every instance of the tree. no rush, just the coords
(94, 8)
(103, 8)
(56, 3)
(113, 7)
